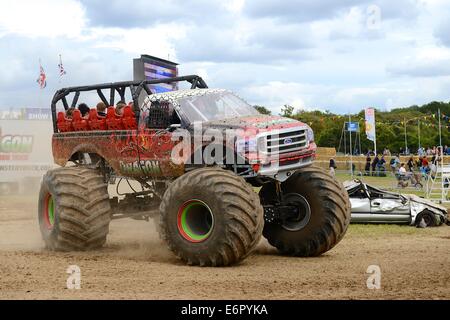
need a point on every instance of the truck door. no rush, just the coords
(155, 143)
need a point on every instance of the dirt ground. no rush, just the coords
(135, 264)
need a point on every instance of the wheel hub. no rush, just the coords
(301, 219)
(292, 213)
(49, 212)
(195, 221)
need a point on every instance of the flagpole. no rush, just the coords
(418, 130)
(441, 157)
(351, 150)
(60, 62)
(40, 90)
(406, 139)
(440, 133)
(374, 133)
(359, 136)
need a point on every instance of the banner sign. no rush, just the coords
(26, 114)
(370, 123)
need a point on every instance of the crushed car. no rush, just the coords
(373, 205)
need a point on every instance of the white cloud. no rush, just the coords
(275, 94)
(235, 6)
(157, 40)
(44, 18)
(316, 54)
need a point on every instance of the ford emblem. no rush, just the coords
(287, 141)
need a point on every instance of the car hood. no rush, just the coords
(258, 123)
(429, 203)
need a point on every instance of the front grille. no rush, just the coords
(286, 141)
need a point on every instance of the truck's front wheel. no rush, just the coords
(211, 217)
(323, 213)
(74, 209)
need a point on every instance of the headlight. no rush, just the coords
(246, 145)
(309, 134)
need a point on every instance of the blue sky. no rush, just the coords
(340, 56)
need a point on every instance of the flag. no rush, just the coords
(42, 80)
(61, 67)
(370, 123)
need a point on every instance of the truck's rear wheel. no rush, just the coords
(324, 213)
(211, 217)
(74, 209)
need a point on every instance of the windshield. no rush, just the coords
(215, 106)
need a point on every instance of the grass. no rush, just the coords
(388, 183)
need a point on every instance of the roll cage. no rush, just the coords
(135, 88)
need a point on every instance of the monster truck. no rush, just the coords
(198, 155)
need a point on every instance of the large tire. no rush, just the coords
(74, 209)
(211, 217)
(328, 219)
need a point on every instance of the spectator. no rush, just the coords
(374, 164)
(367, 167)
(394, 163)
(419, 162)
(332, 166)
(424, 170)
(381, 167)
(101, 108)
(424, 161)
(432, 170)
(402, 170)
(402, 176)
(439, 154)
(410, 164)
(421, 152)
(434, 151)
(84, 109)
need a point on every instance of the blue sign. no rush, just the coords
(353, 126)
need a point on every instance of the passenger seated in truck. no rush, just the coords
(69, 113)
(119, 107)
(84, 109)
(101, 108)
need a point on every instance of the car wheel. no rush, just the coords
(428, 218)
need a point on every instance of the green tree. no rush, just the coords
(287, 111)
(262, 109)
